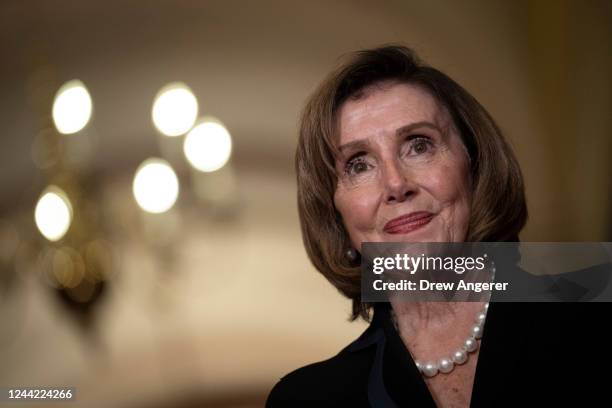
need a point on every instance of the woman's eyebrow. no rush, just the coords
(354, 145)
(409, 128)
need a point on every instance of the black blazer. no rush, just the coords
(532, 354)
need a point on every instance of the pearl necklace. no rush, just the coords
(460, 356)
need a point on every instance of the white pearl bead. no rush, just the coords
(459, 357)
(470, 345)
(430, 369)
(486, 306)
(445, 365)
(477, 331)
(418, 365)
(480, 317)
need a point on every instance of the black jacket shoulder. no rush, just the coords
(340, 379)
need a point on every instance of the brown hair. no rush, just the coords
(499, 211)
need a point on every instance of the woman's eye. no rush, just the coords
(420, 145)
(360, 167)
(356, 166)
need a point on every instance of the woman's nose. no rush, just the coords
(398, 186)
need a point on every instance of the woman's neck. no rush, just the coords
(436, 317)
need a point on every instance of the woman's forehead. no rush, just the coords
(383, 108)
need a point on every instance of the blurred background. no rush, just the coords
(150, 252)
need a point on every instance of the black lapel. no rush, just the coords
(378, 396)
(393, 381)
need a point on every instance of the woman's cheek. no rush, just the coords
(358, 210)
(446, 183)
(364, 212)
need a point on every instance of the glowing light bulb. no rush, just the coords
(175, 109)
(72, 107)
(155, 186)
(208, 146)
(53, 213)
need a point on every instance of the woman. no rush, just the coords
(392, 150)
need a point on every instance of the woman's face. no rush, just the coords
(403, 169)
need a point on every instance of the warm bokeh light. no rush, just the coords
(68, 267)
(72, 107)
(208, 146)
(156, 186)
(175, 109)
(53, 213)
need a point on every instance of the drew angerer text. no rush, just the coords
(424, 284)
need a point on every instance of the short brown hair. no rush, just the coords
(499, 211)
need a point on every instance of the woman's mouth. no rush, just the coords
(407, 223)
